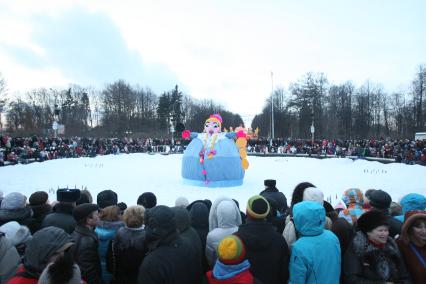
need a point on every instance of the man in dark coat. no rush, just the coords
(40, 206)
(267, 250)
(278, 203)
(170, 259)
(189, 235)
(61, 216)
(86, 242)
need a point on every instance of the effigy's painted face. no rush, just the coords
(211, 127)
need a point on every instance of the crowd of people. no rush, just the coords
(402, 151)
(364, 238)
(15, 150)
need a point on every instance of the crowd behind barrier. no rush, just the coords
(25, 150)
(365, 237)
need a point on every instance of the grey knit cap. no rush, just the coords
(13, 200)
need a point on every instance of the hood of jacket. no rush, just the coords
(413, 201)
(183, 220)
(224, 214)
(199, 213)
(309, 218)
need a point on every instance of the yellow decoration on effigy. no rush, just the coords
(243, 153)
(241, 142)
(244, 164)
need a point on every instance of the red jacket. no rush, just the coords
(22, 277)
(244, 277)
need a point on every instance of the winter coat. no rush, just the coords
(279, 207)
(39, 212)
(106, 232)
(9, 259)
(170, 259)
(61, 217)
(231, 274)
(85, 251)
(23, 276)
(395, 226)
(190, 237)
(125, 254)
(199, 214)
(366, 263)
(352, 213)
(411, 201)
(315, 256)
(409, 251)
(224, 219)
(20, 215)
(45, 277)
(267, 251)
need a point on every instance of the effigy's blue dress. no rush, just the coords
(223, 169)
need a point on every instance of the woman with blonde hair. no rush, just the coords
(110, 222)
(127, 249)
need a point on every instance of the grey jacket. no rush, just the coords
(9, 259)
(224, 219)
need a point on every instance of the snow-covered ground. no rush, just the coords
(131, 175)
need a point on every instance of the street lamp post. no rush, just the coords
(272, 108)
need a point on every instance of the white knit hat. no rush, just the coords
(313, 194)
(16, 233)
(181, 201)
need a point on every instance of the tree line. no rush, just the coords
(117, 110)
(344, 111)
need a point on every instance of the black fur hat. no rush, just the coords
(147, 200)
(270, 183)
(370, 220)
(67, 195)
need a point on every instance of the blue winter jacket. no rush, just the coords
(315, 257)
(106, 231)
(411, 201)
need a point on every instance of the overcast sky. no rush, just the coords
(223, 50)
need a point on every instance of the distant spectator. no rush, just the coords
(86, 242)
(410, 202)
(13, 208)
(61, 216)
(412, 244)
(39, 203)
(147, 200)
